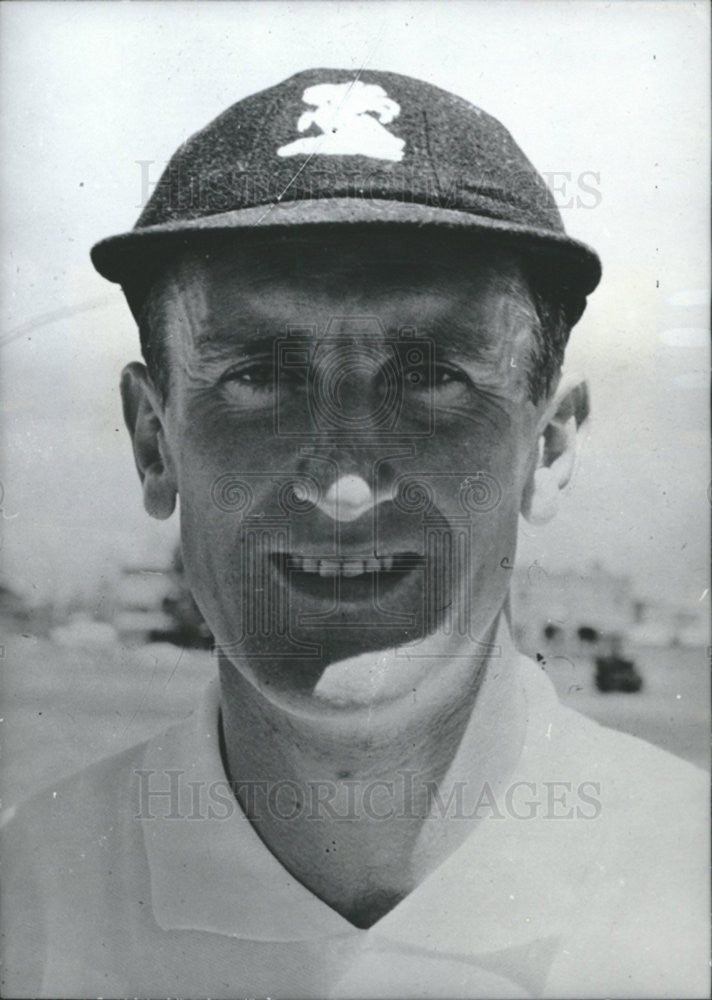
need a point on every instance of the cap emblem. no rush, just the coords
(351, 119)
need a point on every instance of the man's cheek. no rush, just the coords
(212, 552)
(476, 471)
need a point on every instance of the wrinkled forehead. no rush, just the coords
(400, 279)
(417, 280)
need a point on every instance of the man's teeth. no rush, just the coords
(340, 567)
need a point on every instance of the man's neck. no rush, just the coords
(361, 804)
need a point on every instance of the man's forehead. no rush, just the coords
(284, 281)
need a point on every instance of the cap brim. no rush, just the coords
(134, 255)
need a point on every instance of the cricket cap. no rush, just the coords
(344, 147)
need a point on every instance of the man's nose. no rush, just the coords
(348, 498)
(352, 477)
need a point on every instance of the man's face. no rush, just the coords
(391, 374)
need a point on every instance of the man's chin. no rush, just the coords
(360, 674)
(297, 664)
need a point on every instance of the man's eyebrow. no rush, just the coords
(220, 341)
(466, 339)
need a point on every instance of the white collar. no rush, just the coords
(508, 890)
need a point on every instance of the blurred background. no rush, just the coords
(100, 642)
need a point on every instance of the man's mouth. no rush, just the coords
(349, 566)
(358, 578)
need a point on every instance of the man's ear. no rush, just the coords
(556, 452)
(144, 416)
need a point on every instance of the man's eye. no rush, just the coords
(445, 375)
(435, 376)
(252, 374)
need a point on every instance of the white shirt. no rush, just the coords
(603, 892)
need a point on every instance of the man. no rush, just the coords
(354, 294)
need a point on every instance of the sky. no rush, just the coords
(608, 100)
